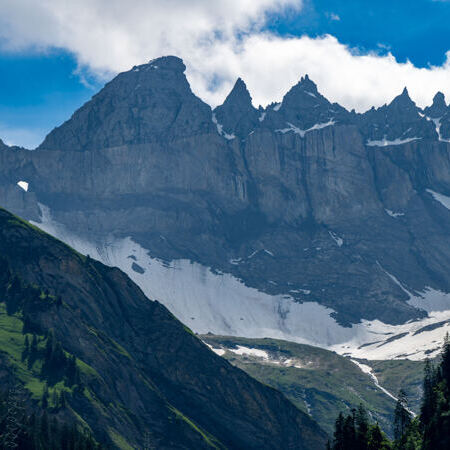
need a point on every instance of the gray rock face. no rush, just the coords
(152, 102)
(237, 114)
(342, 219)
(400, 120)
(439, 108)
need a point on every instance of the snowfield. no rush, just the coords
(385, 142)
(221, 304)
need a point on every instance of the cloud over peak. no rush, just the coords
(219, 41)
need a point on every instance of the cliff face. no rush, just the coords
(343, 202)
(145, 376)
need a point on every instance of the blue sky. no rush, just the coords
(42, 85)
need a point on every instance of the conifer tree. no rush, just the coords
(12, 421)
(376, 439)
(362, 427)
(339, 443)
(402, 416)
(45, 397)
(349, 431)
(26, 349)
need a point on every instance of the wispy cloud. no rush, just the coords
(334, 16)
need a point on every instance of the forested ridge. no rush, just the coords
(430, 430)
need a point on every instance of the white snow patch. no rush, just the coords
(339, 241)
(277, 107)
(300, 291)
(255, 352)
(262, 116)
(311, 94)
(368, 370)
(235, 261)
(384, 142)
(431, 300)
(224, 305)
(437, 124)
(217, 351)
(395, 280)
(308, 406)
(254, 253)
(220, 129)
(23, 185)
(393, 214)
(301, 133)
(441, 198)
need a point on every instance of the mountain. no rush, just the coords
(237, 116)
(300, 220)
(323, 383)
(88, 347)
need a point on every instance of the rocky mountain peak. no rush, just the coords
(149, 103)
(304, 107)
(168, 62)
(237, 115)
(239, 96)
(403, 101)
(307, 84)
(438, 108)
(304, 93)
(399, 121)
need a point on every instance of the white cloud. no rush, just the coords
(219, 41)
(334, 16)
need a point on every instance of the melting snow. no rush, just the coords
(368, 370)
(220, 129)
(339, 241)
(441, 198)
(235, 261)
(23, 185)
(385, 142)
(394, 214)
(302, 133)
(300, 291)
(437, 124)
(224, 305)
(257, 353)
(217, 351)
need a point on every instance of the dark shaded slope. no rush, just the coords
(143, 375)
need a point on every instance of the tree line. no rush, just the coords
(430, 430)
(26, 424)
(37, 431)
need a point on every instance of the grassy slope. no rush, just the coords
(326, 383)
(144, 371)
(12, 345)
(401, 374)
